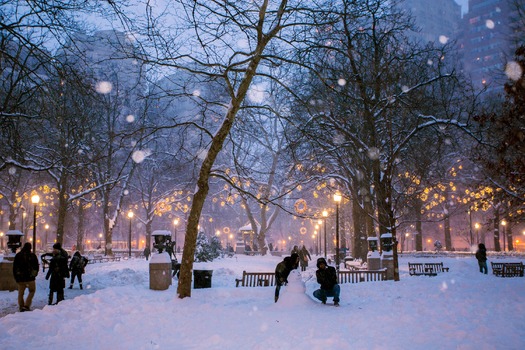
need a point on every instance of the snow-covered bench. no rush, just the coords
(362, 276)
(427, 269)
(101, 259)
(507, 269)
(256, 279)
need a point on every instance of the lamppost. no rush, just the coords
(319, 223)
(175, 223)
(100, 240)
(23, 219)
(470, 225)
(44, 244)
(476, 225)
(1, 241)
(337, 200)
(504, 224)
(218, 235)
(325, 215)
(130, 216)
(34, 199)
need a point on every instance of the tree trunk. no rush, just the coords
(62, 209)
(497, 246)
(80, 228)
(508, 234)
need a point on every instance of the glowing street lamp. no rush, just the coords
(477, 226)
(130, 216)
(337, 200)
(34, 199)
(175, 223)
(46, 227)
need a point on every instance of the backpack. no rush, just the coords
(81, 263)
(62, 265)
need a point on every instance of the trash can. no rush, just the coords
(202, 278)
(160, 271)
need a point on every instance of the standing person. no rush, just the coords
(147, 253)
(481, 255)
(295, 250)
(77, 267)
(25, 270)
(282, 270)
(304, 256)
(57, 271)
(327, 278)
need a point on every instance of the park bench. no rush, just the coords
(256, 279)
(362, 276)
(508, 269)
(427, 269)
(101, 259)
(46, 259)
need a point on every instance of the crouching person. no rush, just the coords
(327, 278)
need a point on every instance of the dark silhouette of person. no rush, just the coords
(327, 278)
(481, 255)
(25, 270)
(282, 270)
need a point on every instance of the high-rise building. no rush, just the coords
(436, 20)
(488, 42)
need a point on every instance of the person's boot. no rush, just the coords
(71, 287)
(80, 285)
(50, 300)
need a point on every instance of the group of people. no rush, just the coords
(26, 268)
(326, 275)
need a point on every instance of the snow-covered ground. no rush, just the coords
(461, 309)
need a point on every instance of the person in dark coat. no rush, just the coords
(77, 268)
(327, 278)
(282, 270)
(304, 256)
(58, 271)
(25, 270)
(481, 255)
(147, 253)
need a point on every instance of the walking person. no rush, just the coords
(282, 270)
(77, 267)
(147, 253)
(25, 270)
(304, 257)
(327, 278)
(481, 255)
(57, 272)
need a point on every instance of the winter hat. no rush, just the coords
(27, 247)
(321, 261)
(57, 246)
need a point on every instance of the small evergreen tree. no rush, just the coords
(206, 250)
